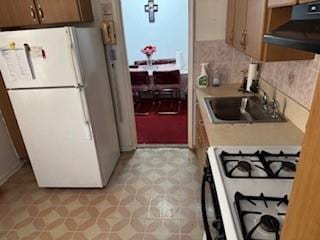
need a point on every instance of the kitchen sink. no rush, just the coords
(239, 110)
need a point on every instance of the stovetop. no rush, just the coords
(260, 164)
(256, 183)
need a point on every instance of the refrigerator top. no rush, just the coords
(42, 58)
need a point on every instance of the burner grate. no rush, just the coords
(266, 226)
(283, 165)
(260, 164)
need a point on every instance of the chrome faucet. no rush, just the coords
(264, 99)
(274, 108)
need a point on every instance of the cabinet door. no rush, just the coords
(5, 14)
(302, 219)
(202, 139)
(198, 138)
(240, 24)
(230, 21)
(281, 3)
(306, 1)
(256, 12)
(16, 13)
(62, 11)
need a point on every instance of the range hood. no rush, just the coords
(302, 31)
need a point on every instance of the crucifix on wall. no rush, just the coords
(151, 8)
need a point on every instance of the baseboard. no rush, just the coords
(127, 149)
(11, 172)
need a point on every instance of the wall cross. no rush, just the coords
(151, 8)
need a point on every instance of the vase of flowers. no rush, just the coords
(149, 50)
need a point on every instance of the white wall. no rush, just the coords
(210, 19)
(169, 32)
(9, 161)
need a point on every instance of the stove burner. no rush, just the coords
(269, 223)
(244, 166)
(260, 164)
(259, 221)
(288, 166)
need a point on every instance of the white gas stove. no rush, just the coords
(250, 189)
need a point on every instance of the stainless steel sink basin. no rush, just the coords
(239, 110)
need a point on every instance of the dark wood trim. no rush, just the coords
(11, 121)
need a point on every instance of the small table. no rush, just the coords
(165, 67)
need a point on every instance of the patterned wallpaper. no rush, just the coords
(296, 79)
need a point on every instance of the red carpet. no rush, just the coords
(163, 129)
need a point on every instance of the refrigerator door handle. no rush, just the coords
(27, 50)
(113, 81)
(86, 118)
(75, 55)
(116, 94)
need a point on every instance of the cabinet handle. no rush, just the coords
(231, 38)
(40, 11)
(200, 143)
(243, 39)
(201, 123)
(33, 13)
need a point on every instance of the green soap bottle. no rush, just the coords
(203, 79)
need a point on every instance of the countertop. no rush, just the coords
(244, 133)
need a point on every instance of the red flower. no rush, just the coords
(149, 50)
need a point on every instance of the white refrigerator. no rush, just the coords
(58, 84)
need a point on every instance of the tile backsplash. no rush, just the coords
(296, 79)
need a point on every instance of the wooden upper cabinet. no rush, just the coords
(284, 3)
(5, 14)
(252, 19)
(230, 21)
(256, 11)
(240, 19)
(276, 17)
(281, 3)
(305, 1)
(22, 13)
(15, 13)
(64, 11)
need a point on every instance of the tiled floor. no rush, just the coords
(153, 194)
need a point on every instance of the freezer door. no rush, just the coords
(58, 136)
(51, 57)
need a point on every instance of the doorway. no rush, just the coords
(157, 43)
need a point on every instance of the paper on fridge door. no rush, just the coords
(17, 65)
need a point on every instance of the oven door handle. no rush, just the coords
(203, 206)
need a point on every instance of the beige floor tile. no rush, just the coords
(157, 229)
(191, 227)
(48, 221)
(71, 208)
(152, 194)
(85, 224)
(128, 228)
(63, 235)
(23, 229)
(3, 234)
(138, 211)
